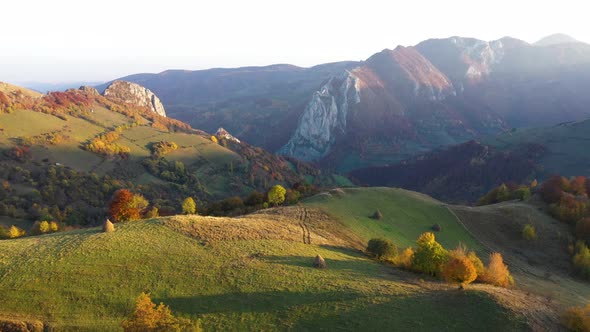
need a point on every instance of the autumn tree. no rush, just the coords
(553, 188)
(459, 270)
(578, 185)
(126, 206)
(189, 206)
(430, 255)
(577, 318)
(276, 195)
(149, 317)
(496, 273)
(15, 232)
(404, 259)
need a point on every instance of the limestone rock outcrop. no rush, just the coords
(132, 93)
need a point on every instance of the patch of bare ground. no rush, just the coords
(541, 266)
(297, 224)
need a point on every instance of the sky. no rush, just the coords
(66, 41)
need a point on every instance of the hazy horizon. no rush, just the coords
(66, 41)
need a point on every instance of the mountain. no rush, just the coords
(260, 105)
(555, 39)
(65, 153)
(397, 104)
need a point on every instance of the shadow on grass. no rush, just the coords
(443, 310)
(253, 302)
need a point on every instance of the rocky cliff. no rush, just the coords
(132, 93)
(222, 133)
(324, 118)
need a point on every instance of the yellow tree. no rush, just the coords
(276, 195)
(189, 206)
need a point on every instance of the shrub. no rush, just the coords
(292, 196)
(53, 226)
(496, 273)
(430, 255)
(404, 259)
(477, 263)
(436, 228)
(460, 270)
(529, 233)
(149, 317)
(152, 213)
(276, 195)
(381, 249)
(214, 139)
(189, 206)
(577, 318)
(522, 193)
(15, 232)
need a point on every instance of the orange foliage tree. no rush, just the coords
(149, 317)
(460, 270)
(496, 273)
(126, 206)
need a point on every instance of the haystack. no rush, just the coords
(108, 226)
(319, 262)
(377, 215)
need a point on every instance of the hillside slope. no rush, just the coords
(252, 272)
(465, 172)
(64, 154)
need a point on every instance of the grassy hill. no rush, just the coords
(255, 272)
(54, 152)
(242, 278)
(406, 215)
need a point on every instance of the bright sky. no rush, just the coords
(74, 40)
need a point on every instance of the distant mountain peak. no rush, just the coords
(556, 39)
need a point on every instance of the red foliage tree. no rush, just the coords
(578, 185)
(120, 207)
(553, 189)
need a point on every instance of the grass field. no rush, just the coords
(87, 280)
(406, 215)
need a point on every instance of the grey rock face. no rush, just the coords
(222, 133)
(132, 93)
(324, 119)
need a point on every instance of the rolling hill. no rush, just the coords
(254, 272)
(64, 154)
